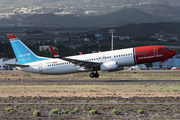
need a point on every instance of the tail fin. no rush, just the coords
(23, 54)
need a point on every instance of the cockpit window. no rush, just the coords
(165, 49)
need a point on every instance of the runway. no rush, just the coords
(90, 103)
(87, 81)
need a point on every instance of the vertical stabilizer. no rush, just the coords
(23, 54)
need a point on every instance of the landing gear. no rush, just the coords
(160, 66)
(91, 75)
(96, 75)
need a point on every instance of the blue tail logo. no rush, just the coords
(23, 54)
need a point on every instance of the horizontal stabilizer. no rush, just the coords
(16, 65)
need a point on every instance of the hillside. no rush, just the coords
(116, 12)
(129, 15)
(143, 29)
(124, 16)
(80, 3)
(160, 10)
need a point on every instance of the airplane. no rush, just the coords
(104, 61)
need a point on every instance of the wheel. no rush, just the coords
(91, 75)
(160, 66)
(96, 75)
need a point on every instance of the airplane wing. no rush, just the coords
(85, 64)
(81, 63)
(55, 53)
(16, 65)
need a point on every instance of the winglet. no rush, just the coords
(12, 37)
(53, 52)
(80, 52)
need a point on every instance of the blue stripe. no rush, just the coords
(134, 56)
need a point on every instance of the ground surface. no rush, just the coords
(75, 100)
(82, 111)
(113, 90)
(120, 75)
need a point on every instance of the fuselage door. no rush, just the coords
(40, 67)
(155, 50)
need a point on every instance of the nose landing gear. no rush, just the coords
(92, 75)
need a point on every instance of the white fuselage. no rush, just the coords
(124, 57)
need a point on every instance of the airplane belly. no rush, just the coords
(128, 61)
(61, 70)
(67, 69)
(127, 58)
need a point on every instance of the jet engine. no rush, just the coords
(108, 66)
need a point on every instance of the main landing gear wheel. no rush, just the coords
(96, 75)
(92, 75)
(160, 66)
